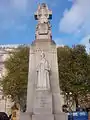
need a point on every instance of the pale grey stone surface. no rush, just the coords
(42, 102)
(57, 103)
(43, 72)
(61, 116)
(43, 28)
(51, 55)
(25, 116)
(43, 117)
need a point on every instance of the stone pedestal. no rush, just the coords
(42, 102)
(61, 116)
(43, 117)
(50, 50)
(25, 116)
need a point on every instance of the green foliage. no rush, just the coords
(74, 69)
(15, 81)
(64, 55)
(74, 73)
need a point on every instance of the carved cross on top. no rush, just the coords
(43, 14)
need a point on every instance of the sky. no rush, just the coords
(70, 21)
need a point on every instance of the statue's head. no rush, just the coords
(42, 55)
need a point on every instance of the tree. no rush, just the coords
(74, 67)
(14, 83)
(74, 73)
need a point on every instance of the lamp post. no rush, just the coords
(69, 100)
(5, 103)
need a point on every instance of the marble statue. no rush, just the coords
(43, 70)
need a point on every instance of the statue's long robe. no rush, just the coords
(43, 82)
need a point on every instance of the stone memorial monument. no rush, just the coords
(44, 101)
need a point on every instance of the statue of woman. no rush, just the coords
(43, 69)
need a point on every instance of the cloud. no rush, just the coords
(85, 41)
(14, 13)
(16, 18)
(12, 6)
(77, 18)
(18, 4)
(59, 42)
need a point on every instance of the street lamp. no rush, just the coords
(69, 100)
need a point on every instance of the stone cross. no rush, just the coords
(43, 28)
(43, 14)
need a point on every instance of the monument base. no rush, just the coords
(43, 117)
(42, 102)
(61, 116)
(27, 116)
